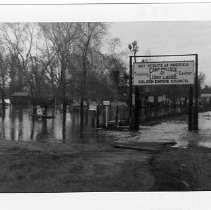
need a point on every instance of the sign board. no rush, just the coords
(150, 99)
(39, 111)
(93, 107)
(163, 73)
(106, 103)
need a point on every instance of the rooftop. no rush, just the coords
(205, 95)
(20, 94)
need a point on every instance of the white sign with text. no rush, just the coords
(163, 73)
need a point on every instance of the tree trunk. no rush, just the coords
(117, 117)
(87, 112)
(63, 80)
(81, 113)
(3, 101)
(98, 117)
(83, 85)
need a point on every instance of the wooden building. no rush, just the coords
(20, 98)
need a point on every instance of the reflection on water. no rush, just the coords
(18, 125)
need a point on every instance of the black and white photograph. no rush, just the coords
(105, 106)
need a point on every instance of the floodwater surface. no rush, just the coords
(18, 125)
(172, 130)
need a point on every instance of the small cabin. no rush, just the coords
(20, 98)
(205, 98)
(120, 104)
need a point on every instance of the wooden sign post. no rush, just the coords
(106, 104)
(173, 72)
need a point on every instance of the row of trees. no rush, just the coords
(63, 58)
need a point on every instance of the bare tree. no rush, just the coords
(62, 37)
(52, 65)
(133, 47)
(3, 78)
(113, 45)
(17, 39)
(134, 122)
(89, 42)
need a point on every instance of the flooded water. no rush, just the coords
(171, 131)
(18, 125)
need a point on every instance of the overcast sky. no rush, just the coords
(169, 38)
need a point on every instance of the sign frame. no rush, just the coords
(160, 83)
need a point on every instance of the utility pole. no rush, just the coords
(134, 93)
(134, 102)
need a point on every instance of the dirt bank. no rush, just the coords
(182, 169)
(56, 167)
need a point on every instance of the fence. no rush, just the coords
(121, 116)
